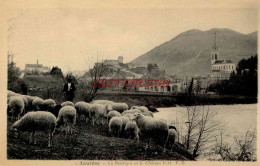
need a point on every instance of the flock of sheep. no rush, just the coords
(47, 116)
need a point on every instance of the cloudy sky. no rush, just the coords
(75, 38)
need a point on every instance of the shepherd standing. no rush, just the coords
(69, 89)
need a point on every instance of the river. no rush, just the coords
(236, 120)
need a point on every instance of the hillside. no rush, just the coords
(189, 52)
(86, 143)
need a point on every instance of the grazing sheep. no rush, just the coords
(49, 104)
(172, 136)
(37, 121)
(125, 120)
(151, 128)
(112, 114)
(67, 117)
(131, 111)
(30, 100)
(141, 108)
(16, 105)
(97, 111)
(144, 110)
(115, 125)
(67, 103)
(24, 100)
(148, 114)
(120, 107)
(37, 104)
(10, 93)
(132, 131)
(129, 115)
(83, 108)
(103, 102)
(103, 112)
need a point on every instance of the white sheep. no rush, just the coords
(83, 108)
(67, 103)
(49, 104)
(143, 109)
(30, 100)
(120, 107)
(129, 115)
(16, 105)
(10, 93)
(112, 114)
(37, 121)
(67, 117)
(132, 131)
(97, 111)
(125, 120)
(104, 102)
(115, 125)
(37, 104)
(131, 111)
(172, 136)
(24, 100)
(151, 128)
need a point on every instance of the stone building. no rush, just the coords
(36, 68)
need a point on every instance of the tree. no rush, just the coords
(244, 82)
(87, 81)
(96, 74)
(13, 76)
(201, 129)
(244, 148)
(56, 71)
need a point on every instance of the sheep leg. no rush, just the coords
(146, 144)
(71, 130)
(172, 147)
(68, 129)
(93, 122)
(164, 147)
(149, 143)
(102, 121)
(34, 140)
(49, 140)
(30, 138)
(137, 139)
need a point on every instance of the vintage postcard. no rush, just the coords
(129, 83)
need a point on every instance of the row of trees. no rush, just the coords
(244, 82)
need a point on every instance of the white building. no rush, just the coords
(219, 66)
(36, 68)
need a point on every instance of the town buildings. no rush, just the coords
(36, 68)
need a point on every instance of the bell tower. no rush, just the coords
(214, 52)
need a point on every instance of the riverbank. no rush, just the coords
(170, 100)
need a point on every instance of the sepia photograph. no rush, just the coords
(155, 85)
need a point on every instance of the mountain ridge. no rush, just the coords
(189, 52)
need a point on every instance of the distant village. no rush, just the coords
(220, 70)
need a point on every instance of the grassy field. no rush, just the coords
(41, 82)
(88, 143)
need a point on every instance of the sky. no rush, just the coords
(74, 39)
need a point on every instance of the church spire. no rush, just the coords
(215, 47)
(214, 52)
